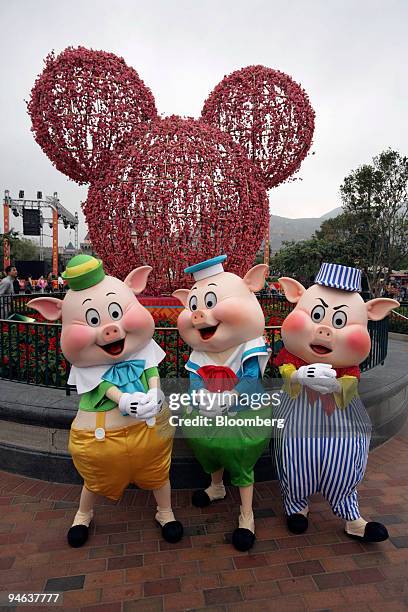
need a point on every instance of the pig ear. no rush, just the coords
(379, 308)
(292, 288)
(255, 277)
(181, 295)
(137, 279)
(49, 308)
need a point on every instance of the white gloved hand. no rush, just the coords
(130, 402)
(153, 403)
(317, 376)
(216, 404)
(142, 406)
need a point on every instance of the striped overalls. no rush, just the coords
(319, 453)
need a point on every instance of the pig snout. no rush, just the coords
(198, 317)
(110, 333)
(323, 332)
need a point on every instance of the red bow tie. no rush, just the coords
(218, 378)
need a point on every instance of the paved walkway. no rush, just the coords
(125, 566)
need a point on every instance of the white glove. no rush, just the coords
(317, 376)
(130, 402)
(153, 403)
(142, 406)
(215, 404)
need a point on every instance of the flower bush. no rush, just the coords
(31, 353)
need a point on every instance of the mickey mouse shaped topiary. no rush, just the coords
(178, 189)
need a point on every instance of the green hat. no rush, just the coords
(83, 271)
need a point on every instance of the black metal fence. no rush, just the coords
(18, 302)
(31, 352)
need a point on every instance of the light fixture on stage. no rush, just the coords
(39, 195)
(21, 194)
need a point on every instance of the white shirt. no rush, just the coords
(86, 379)
(235, 361)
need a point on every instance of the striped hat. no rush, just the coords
(339, 277)
(83, 271)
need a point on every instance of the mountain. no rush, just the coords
(282, 228)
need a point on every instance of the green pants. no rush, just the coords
(234, 447)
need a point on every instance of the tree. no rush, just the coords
(376, 197)
(20, 248)
(303, 259)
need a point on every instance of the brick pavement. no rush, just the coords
(126, 567)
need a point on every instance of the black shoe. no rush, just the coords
(77, 535)
(373, 532)
(243, 539)
(172, 532)
(297, 523)
(200, 499)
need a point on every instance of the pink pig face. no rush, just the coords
(104, 324)
(330, 325)
(221, 311)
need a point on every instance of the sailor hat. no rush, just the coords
(207, 268)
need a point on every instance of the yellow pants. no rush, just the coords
(136, 454)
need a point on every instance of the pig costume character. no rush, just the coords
(121, 432)
(224, 325)
(324, 444)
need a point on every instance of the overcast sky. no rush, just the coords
(350, 56)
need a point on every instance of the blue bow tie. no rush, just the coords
(126, 375)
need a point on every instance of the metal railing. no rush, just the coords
(31, 352)
(17, 302)
(378, 331)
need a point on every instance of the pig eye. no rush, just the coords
(92, 317)
(210, 299)
(193, 302)
(339, 319)
(115, 311)
(318, 314)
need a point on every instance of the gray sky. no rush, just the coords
(349, 55)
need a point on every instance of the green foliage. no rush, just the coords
(371, 233)
(20, 248)
(303, 259)
(400, 326)
(376, 196)
(31, 353)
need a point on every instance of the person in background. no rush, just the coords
(16, 285)
(49, 286)
(7, 284)
(7, 288)
(29, 285)
(60, 283)
(41, 283)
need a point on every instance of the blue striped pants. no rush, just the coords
(315, 453)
